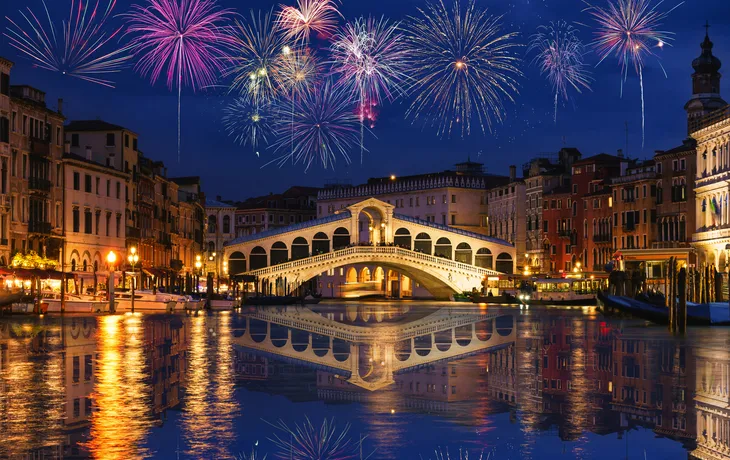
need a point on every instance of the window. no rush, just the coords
(4, 130)
(110, 140)
(76, 369)
(659, 168)
(682, 164)
(25, 125)
(87, 221)
(76, 220)
(98, 181)
(443, 198)
(87, 183)
(98, 219)
(119, 190)
(4, 84)
(134, 144)
(119, 225)
(126, 140)
(453, 198)
(108, 187)
(88, 371)
(575, 188)
(108, 222)
(74, 140)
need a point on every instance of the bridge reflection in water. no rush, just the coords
(104, 386)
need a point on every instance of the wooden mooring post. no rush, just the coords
(677, 301)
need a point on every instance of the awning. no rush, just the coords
(28, 273)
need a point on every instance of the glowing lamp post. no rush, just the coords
(111, 258)
(198, 264)
(133, 258)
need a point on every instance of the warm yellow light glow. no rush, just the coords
(392, 411)
(197, 257)
(527, 272)
(111, 257)
(577, 264)
(392, 177)
(133, 250)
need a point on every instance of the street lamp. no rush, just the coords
(133, 258)
(111, 258)
(198, 264)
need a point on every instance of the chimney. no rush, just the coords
(512, 173)
(620, 153)
(88, 153)
(60, 105)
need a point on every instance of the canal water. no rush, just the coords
(370, 380)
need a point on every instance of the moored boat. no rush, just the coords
(559, 292)
(145, 301)
(74, 304)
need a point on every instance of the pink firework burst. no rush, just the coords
(318, 16)
(185, 38)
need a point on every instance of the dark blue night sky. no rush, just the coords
(593, 122)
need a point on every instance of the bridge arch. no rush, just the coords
(365, 275)
(505, 264)
(464, 253)
(351, 276)
(443, 248)
(299, 248)
(259, 258)
(236, 263)
(340, 238)
(484, 258)
(320, 244)
(422, 243)
(279, 253)
(402, 238)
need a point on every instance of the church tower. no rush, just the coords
(705, 82)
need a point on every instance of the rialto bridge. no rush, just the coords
(366, 345)
(443, 259)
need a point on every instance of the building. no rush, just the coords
(116, 147)
(542, 175)
(220, 229)
(506, 214)
(558, 231)
(94, 213)
(634, 200)
(711, 130)
(31, 146)
(191, 221)
(255, 215)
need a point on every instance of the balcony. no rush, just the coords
(43, 228)
(132, 232)
(669, 245)
(601, 238)
(565, 233)
(39, 184)
(628, 227)
(40, 147)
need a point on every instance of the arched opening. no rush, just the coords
(443, 248)
(392, 284)
(320, 244)
(279, 253)
(365, 275)
(402, 238)
(371, 224)
(464, 253)
(422, 243)
(236, 263)
(351, 276)
(212, 221)
(484, 259)
(258, 258)
(504, 263)
(299, 248)
(379, 275)
(340, 238)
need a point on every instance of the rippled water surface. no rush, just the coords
(390, 381)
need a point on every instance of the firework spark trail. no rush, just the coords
(560, 56)
(463, 66)
(249, 122)
(324, 126)
(257, 48)
(306, 442)
(318, 16)
(629, 29)
(82, 40)
(185, 38)
(368, 57)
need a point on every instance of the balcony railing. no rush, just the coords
(669, 244)
(601, 238)
(565, 233)
(39, 184)
(628, 227)
(696, 124)
(132, 232)
(44, 228)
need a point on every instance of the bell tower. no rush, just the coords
(705, 82)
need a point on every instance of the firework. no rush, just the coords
(629, 29)
(324, 126)
(81, 48)
(249, 122)
(560, 56)
(463, 66)
(305, 441)
(296, 70)
(368, 56)
(318, 16)
(185, 38)
(258, 47)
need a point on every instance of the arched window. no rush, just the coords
(73, 265)
(226, 224)
(212, 223)
(211, 246)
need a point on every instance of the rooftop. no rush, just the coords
(688, 146)
(602, 158)
(93, 125)
(210, 203)
(189, 180)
